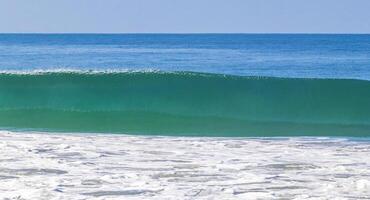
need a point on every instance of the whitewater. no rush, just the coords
(95, 166)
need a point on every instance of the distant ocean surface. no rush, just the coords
(186, 84)
(278, 55)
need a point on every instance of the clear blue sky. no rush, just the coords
(185, 16)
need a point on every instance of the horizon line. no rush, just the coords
(194, 33)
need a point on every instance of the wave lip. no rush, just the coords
(41, 71)
(183, 103)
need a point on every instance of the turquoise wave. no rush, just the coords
(184, 103)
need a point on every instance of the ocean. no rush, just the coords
(184, 116)
(186, 84)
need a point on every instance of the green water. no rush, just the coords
(184, 104)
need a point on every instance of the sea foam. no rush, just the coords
(78, 166)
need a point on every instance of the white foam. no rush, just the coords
(67, 166)
(93, 70)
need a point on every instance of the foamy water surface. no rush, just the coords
(77, 166)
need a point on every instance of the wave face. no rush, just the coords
(184, 103)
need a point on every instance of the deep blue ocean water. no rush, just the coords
(280, 55)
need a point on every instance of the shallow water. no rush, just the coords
(54, 166)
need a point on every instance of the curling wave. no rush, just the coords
(183, 103)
